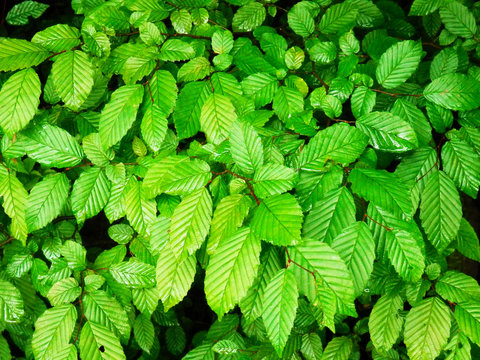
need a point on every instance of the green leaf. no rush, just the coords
(72, 75)
(217, 117)
(154, 127)
(385, 322)
(53, 330)
(14, 204)
(228, 216)
(427, 327)
(467, 241)
(462, 164)
(287, 102)
(388, 132)
(273, 179)
(174, 278)
(363, 101)
(19, 100)
(163, 87)
(248, 17)
(190, 223)
(280, 303)
(339, 348)
(338, 18)
(398, 63)
(176, 50)
(103, 309)
(18, 54)
(11, 302)
(252, 303)
(90, 193)
(278, 220)
(195, 69)
(64, 291)
(458, 19)
(222, 41)
(329, 268)
(98, 343)
(454, 92)
(339, 143)
(382, 188)
(119, 113)
(187, 113)
(46, 201)
(231, 270)
(120, 233)
(301, 20)
(186, 177)
(139, 209)
(19, 14)
(95, 151)
(330, 215)
(457, 287)
(467, 315)
(261, 86)
(440, 210)
(58, 38)
(246, 147)
(134, 274)
(415, 117)
(312, 348)
(144, 332)
(75, 255)
(424, 7)
(52, 146)
(356, 247)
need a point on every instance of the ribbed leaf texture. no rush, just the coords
(279, 306)
(46, 201)
(427, 327)
(231, 270)
(241, 179)
(440, 210)
(388, 132)
(398, 63)
(385, 321)
(72, 74)
(278, 220)
(98, 343)
(53, 330)
(19, 99)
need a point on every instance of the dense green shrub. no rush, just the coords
(300, 166)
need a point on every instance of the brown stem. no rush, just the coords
(318, 77)
(396, 95)
(290, 261)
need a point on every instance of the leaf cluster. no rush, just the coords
(304, 164)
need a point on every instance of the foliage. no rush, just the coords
(299, 166)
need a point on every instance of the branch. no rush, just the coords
(395, 94)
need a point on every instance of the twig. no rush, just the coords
(396, 95)
(318, 77)
(290, 261)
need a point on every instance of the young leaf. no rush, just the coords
(53, 330)
(119, 114)
(278, 220)
(231, 270)
(279, 306)
(398, 63)
(19, 99)
(72, 75)
(427, 328)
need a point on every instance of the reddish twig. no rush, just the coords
(365, 215)
(290, 261)
(396, 95)
(318, 77)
